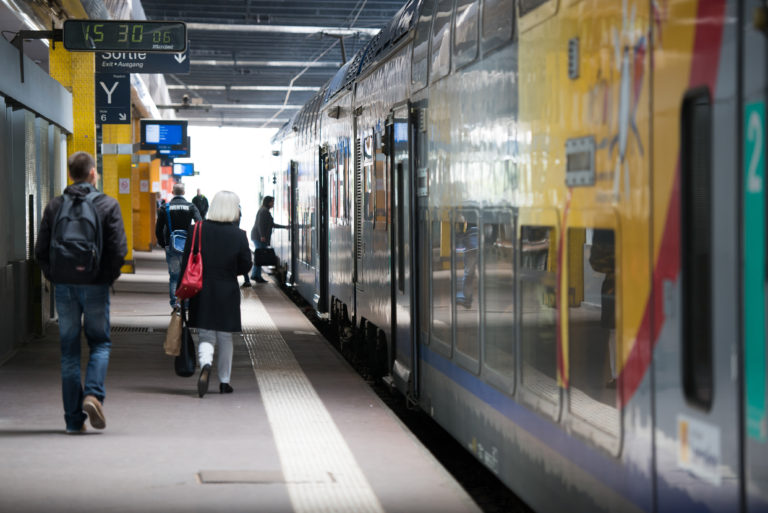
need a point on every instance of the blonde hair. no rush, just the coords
(225, 207)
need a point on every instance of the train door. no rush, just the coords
(321, 270)
(294, 217)
(754, 93)
(402, 246)
(696, 316)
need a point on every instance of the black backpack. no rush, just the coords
(75, 253)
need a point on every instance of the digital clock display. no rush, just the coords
(125, 35)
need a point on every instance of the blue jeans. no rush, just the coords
(91, 303)
(173, 260)
(256, 274)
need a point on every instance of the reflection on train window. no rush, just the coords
(425, 258)
(467, 253)
(368, 191)
(538, 323)
(498, 22)
(341, 179)
(334, 190)
(499, 296)
(421, 46)
(465, 32)
(442, 300)
(440, 63)
(527, 6)
(592, 327)
(380, 186)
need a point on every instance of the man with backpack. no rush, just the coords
(171, 227)
(81, 247)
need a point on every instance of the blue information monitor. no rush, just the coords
(163, 134)
(184, 169)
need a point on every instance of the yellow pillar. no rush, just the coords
(116, 165)
(143, 200)
(75, 71)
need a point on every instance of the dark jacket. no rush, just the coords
(114, 244)
(182, 214)
(201, 202)
(263, 226)
(225, 256)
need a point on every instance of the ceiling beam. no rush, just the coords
(175, 87)
(266, 64)
(284, 29)
(228, 106)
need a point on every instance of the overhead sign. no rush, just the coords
(125, 35)
(143, 62)
(113, 99)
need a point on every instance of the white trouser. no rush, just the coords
(208, 339)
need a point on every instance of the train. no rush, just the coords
(543, 222)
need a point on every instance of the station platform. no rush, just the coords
(302, 432)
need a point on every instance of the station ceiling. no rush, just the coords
(256, 62)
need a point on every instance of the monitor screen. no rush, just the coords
(158, 134)
(176, 151)
(183, 169)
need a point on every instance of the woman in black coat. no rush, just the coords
(215, 310)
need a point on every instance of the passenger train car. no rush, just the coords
(544, 223)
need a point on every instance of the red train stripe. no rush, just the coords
(704, 68)
(564, 375)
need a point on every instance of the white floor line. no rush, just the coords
(319, 468)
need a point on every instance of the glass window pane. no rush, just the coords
(592, 327)
(498, 22)
(465, 33)
(467, 252)
(425, 259)
(380, 190)
(442, 319)
(527, 6)
(499, 296)
(440, 64)
(538, 329)
(421, 46)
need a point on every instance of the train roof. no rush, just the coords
(400, 24)
(385, 40)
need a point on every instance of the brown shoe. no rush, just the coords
(92, 407)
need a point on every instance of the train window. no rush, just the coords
(465, 32)
(420, 61)
(441, 282)
(696, 246)
(341, 173)
(380, 188)
(593, 341)
(498, 22)
(466, 259)
(499, 295)
(537, 278)
(527, 6)
(368, 177)
(440, 63)
(344, 181)
(333, 185)
(425, 259)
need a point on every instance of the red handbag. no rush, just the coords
(192, 281)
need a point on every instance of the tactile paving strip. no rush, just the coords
(320, 471)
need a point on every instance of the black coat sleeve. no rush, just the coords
(244, 255)
(159, 226)
(43, 246)
(196, 214)
(115, 241)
